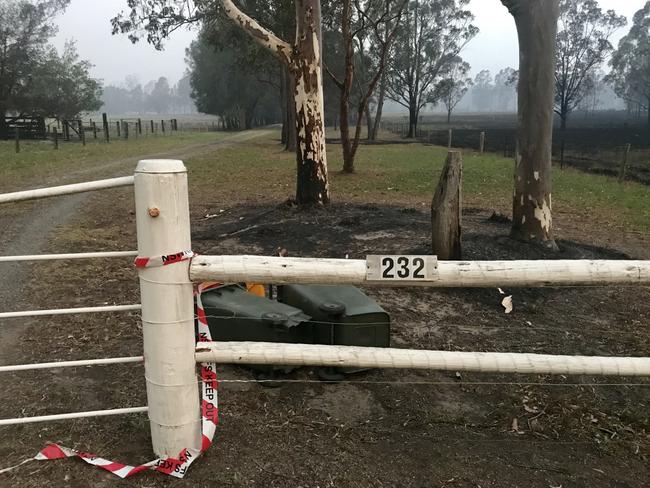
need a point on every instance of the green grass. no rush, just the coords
(38, 160)
(407, 174)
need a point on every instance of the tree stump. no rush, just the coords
(446, 210)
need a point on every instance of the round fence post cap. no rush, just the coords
(161, 166)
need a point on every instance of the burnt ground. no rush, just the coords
(380, 428)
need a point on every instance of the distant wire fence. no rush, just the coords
(104, 129)
(623, 153)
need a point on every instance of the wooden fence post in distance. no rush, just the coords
(163, 226)
(55, 131)
(450, 138)
(107, 136)
(481, 146)
(446, 210)
(17, 139)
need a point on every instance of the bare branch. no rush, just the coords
(336, 81)
(264, 37)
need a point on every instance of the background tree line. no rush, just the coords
(422, 64)
(36, 79)
(156, 96)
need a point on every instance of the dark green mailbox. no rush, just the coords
(340, 315)
(235, 315)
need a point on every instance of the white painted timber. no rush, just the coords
(66, 189)
(70, 416)
(69, 311)
(71, 364)
(163, 224)
(279, 270)
(68, 257)
(374, 357)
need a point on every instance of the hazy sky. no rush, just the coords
(88, 23)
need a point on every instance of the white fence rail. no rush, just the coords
(72, 416)
(279, 270)
(375, 357)
(70, 364)
(70, 311)
(66, 189)
(46, 193)
(67, 257)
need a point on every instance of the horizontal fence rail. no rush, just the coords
(374, 357)
(66, 189)
(66, 257)
(71, 416)
(278, 270)
(71, 364)
(70, 311)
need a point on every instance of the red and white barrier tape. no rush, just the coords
(176, 467)
(159, 261)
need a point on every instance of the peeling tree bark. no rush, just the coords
(313, 186)
(536, 22)
(304, 61)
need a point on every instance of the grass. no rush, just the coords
(38, 160)
(403, 174)
(407, 174)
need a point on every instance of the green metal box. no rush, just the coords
(340, 315)
(233, 314)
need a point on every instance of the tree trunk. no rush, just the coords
(346, 144)
(248, 118)
(290, 109)
(284, 95)
(346, 88)
(413, 122)
(312, 185)
(369, 122)
(380, 108)
(446, 210)
(536, 22)
(3, 124)
(448, 116)
(304, 61)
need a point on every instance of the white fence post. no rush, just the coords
(163, 224)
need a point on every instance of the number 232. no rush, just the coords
(402, 265)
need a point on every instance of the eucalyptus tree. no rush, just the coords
(454, 86)
(483, 91)
(631, 62)
(156, 19)
(230, 77)
(432, 34)
(61, 86)
(536, 22)
(25, 28)
(583, 44)
(365, 25)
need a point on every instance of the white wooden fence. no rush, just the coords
(170, 353)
